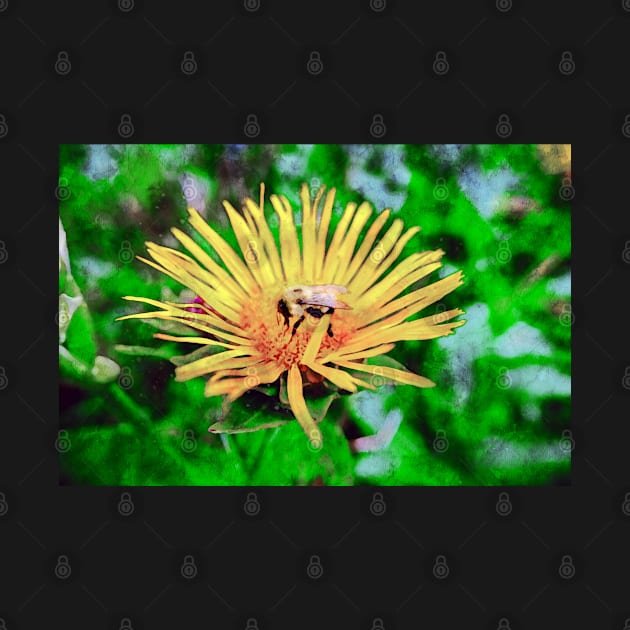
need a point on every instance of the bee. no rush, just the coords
(316, 300)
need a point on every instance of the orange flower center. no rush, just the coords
(274, 339)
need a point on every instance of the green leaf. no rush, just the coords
(119, 456)
(400, 455)
(199, 353)
(70, 368)
(253, 412)
(105, 370)
(285, 458)
(63, 276)
(318, 407)
(168, 326)
(268, 390)
(386, 361)
(80, 336)
(161, 352)
(67, 308)
(283, 393)
(80, 339)
(376, 379)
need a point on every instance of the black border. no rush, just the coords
(375, 62)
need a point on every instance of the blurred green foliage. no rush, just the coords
(499, 414)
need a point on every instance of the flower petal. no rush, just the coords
(346, 250)
(192, 320)
(252, 247)
(417, 330)
(289, 245)
(178, 310)
(416, 300)
(200, 340)
(366, 246)
(258, 214)
(359, 354)
(408, 271)
(223, 280)
(340, 232)
(309, 220)
(315, 340)
(368, 274)
(186, 271)
(210, 364)
(339, 377)
(298, 405)
(241, 366)
(233, 387)
(254, 375)
(387, 262)
(236, 387)
(239, 270)
(322, 233)
(407, 378)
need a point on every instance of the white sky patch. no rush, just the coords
(463, 348)
(448, 153)
(531, 411)
(294, 164)
(394, 163)
(381, 440)
(377, 465)
(102, 160)
(481, 264)
(233, 151)
(291, 164)
(561, 285)
(541, 380)
(499, 452)
(95, 268)
(100, 164)
(377, 458)
(292, 167)
(486, 190)
(521, 339)
(475, 339)
(175, 158)
(369, 406)
(196, 191)
(500, 235)
(446, 270)
(374, 187)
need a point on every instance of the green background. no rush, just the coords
(500, 412)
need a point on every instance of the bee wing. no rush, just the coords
(340, 304)
(326, 295)
(329, 288)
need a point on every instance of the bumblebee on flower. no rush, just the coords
(277, 310)
(316, 301)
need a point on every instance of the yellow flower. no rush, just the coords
(238, 311)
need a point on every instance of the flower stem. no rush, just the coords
(139, 417)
